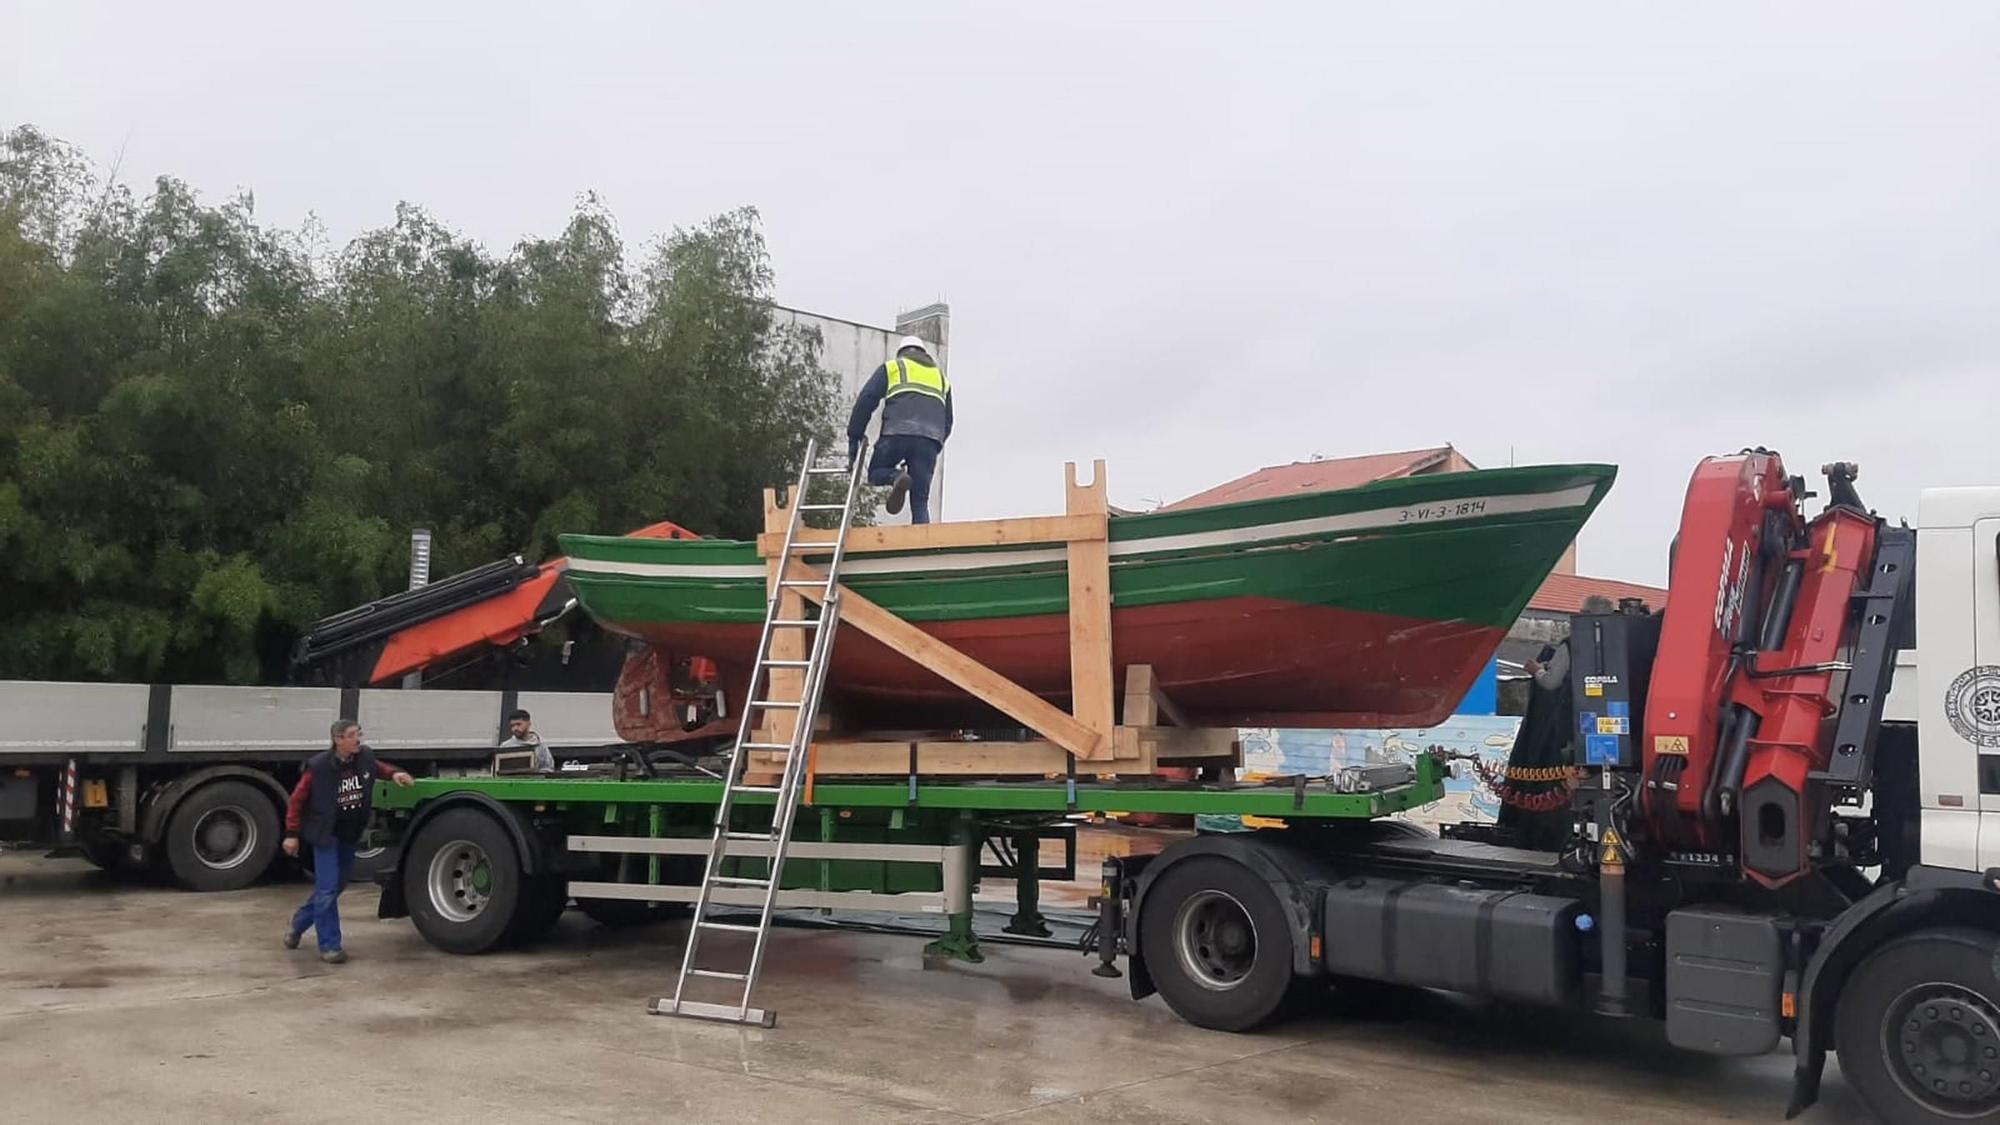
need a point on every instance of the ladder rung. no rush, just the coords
(822, 507)
(728, 927)
(759, 837)
(771, 789)
(718, 974)
(763, 746)
(777, 704)
(830, 470)
(801, 584)
(739, 881)
(796, 623)
(788, 664)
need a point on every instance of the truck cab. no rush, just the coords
(1956, 701)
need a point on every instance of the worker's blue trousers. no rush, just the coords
(333, 862)
(917, 454)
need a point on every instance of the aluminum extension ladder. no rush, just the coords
(718, 888)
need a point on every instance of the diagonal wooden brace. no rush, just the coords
(1031, 710)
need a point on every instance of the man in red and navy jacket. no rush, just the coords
(329, 810)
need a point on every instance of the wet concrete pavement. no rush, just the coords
(140, 1003)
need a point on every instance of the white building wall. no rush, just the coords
(852, 351)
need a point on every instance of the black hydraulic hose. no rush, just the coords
(1734, 761)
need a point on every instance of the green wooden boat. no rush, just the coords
(1373, 606)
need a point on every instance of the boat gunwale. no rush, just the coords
(740, 553)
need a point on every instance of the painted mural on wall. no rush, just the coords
(1315, 753)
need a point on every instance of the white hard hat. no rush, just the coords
(913, 342)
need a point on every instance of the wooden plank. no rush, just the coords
(934, 536)
(1031, 710)
(1145, 704)
(1158, 744)
(1039, 758)
(1141, 710)
(786, 684)
(1090, 610)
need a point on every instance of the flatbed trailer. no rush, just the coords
(491, 862)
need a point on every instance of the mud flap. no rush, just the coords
(391, 904)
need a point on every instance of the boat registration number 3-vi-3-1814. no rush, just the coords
(1449, 511)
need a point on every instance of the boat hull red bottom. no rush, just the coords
(1231, 662)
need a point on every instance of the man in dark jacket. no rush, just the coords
(916, 419)
(329, 810)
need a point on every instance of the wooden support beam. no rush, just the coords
(1090, 606)
(1145, 704)
(1155, 745)
(784, 684)
(1140, 753)
(1031, 710)
(935, 536)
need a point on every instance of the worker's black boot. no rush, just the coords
(898, 491)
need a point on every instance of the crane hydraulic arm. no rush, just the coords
(1765, 696)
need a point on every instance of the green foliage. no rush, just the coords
(212, 434)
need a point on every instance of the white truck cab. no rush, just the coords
(1956, 696)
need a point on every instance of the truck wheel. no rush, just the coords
(1217, 944)
(462, 882)
(370, 860)
(374, 856)
(1918, 1027)
(542, 906)
(222, 837)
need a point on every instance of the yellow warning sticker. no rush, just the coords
(1593, 689)
(1614, 726)
(1670, 744)
(1611, 849)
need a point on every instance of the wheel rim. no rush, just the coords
(461, 880)
(225, 837)
(1215, 940)
(1942, 1042)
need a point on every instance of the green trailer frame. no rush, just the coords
(604, 839)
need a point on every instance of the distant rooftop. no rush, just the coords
(1564, 592)
(1329, 474)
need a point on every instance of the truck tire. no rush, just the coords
(371, 858)
(222, 837)
(1218, 944)
(542, 904)
(372, 861)
(462, 882)
(1918, 1027)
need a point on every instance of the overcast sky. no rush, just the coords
(1197, 240)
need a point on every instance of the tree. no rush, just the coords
(210, 436)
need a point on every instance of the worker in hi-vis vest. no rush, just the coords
(916, 419)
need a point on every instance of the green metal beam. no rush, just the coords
(1275, 801)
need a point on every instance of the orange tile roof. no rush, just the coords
(1564, 593)
(1316, 476)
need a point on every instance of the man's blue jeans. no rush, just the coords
(333, 861)
(917, 454)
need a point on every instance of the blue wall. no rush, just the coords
(1484, 698)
